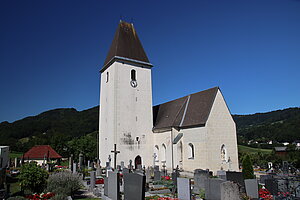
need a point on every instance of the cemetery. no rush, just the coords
(127, 182)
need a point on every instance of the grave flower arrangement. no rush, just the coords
(161, 198)
(265, 194)
(166, 178)
(100, 181)
(45, 196)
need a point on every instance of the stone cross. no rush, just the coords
(229, 164)
(115, 156)
(109, 160)
(130, 165)
(154, 159)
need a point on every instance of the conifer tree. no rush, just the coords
(248, 172)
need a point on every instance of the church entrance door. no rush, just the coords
(137, 161)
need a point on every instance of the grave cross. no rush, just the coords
(115, 156)
(154, 159)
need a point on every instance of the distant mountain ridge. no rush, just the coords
(280, 125)
(63, 124)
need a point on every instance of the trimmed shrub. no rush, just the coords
(63, 184)
(17, 198)
(33, 177)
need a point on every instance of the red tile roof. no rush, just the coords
(41, 152)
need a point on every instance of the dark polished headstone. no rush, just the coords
(134, 186)
(236, 177)
(272, 186)
(262, 178)
(156, 168)
(157, 175)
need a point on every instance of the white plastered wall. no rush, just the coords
(221, 130)
(126, 114)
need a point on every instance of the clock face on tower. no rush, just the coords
(133, 83)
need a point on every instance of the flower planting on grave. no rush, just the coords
(156, 197)
(44, 196)
(265, 194)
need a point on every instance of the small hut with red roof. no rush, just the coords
(41, 154)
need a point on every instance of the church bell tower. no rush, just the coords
(126, 101)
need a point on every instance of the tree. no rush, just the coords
(33, 177)
(247, 168)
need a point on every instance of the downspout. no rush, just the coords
(172, 150)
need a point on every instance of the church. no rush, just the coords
(192, 132)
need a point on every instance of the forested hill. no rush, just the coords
(279, 125)
(51, 127)
(57, 127)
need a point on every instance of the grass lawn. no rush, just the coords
(250, 150)
(15, 154)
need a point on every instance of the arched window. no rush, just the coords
(224, 156)
(163, 152)
(107, 76)
(191, 151)
(179, 152)
(156, 151)
(133, 75)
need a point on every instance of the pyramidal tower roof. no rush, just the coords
(126, 46)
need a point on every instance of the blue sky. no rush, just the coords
(51, 51)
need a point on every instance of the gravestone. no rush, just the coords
(98, 168)
(184, 188)
(119, 168)
(282, 185)
(156, 168)
(80, 161)
(16, 162)
(130, 167)
(236, 177)
(74, 168)
(262, 178)
(105, 186)
(134, 186)
(199, 179)
(221, 174)
(114, 185)
(125, 170)
(122, 165)
(251, 188)
(175, 175)
(297, 191)
(89, 164)
(139, 167)
(92, 180)
(157, 175)
(71, 162)
(285, 167)
(213, 188)
(230, 191)
(271, 185)
(148, 175)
